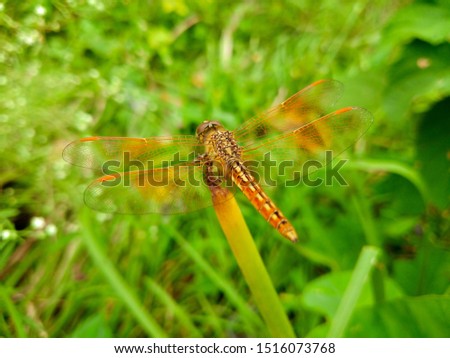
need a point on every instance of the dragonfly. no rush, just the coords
(176, 174)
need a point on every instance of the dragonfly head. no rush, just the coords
(206, 128)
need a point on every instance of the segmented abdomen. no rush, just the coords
(259, 199)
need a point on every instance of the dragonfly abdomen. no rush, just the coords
(259, 199)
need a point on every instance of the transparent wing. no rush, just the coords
(143, 153)
(169, 190)
(310, 103)
(308, 147)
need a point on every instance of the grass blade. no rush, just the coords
(366, 261)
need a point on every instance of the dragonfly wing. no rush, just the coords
(125, 152)
(168, 190)
(311, 103)
(305, 148)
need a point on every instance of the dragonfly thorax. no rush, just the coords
(219, 143)
(224, 145)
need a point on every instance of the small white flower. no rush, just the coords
(40, 10)
(37, 223)
(51, 230)
(6, 234)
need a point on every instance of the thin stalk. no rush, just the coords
(366, 261)
(251, 264)
(366, 219)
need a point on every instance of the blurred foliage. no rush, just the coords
(74, 68)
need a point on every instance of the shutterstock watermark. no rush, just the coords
(182, 171)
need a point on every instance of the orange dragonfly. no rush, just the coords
(176, 174)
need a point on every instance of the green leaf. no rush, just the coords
(93, 327)
(419, 78)
(404, 198)
(423, 21)
(421, 317)
(427, 273)
(433, 146)
(324, 294)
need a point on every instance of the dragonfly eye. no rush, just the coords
(206, 126)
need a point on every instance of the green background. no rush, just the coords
(70, 69)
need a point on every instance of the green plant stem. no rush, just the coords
(117, 282)
(366, 261)
(251, 264)
(363, 210)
